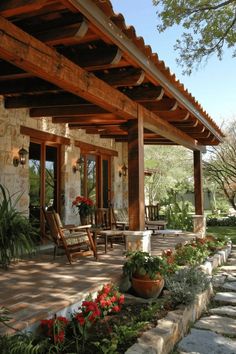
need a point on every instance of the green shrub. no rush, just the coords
(190, 254)
(185, 284)
(16, 232)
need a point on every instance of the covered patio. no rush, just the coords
(73, 72)
(37, 288)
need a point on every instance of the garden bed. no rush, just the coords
(157, 323)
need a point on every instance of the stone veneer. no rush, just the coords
(16, 178)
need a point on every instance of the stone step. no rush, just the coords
(224, 311)
(206, 342)
(231, 262)
(229, 286)
(218, 324)
(226, 297)
(231, 278)
(229, 269)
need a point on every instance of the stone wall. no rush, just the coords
(16, 178)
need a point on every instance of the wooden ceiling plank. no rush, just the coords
(32, 55)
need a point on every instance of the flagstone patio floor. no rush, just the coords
(39, 287)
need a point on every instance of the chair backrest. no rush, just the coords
(152, 212)
(103, 218)
(53, 225)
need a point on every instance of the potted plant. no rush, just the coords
(84, 206)
(145, 272)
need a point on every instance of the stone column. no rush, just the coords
(138, 240)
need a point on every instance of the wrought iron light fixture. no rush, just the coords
(78, 165)
(123, 171)
(21, 158)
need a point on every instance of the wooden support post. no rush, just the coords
(198, 185)
(136, 173)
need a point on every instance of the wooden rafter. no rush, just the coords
(32, 55)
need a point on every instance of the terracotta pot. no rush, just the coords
(148, 288)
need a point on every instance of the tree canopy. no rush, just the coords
(169, 167)
(220, 166)
(209, 27)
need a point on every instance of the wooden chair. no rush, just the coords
(105, 230)
(120, 218)
(152, 212)
(75, 240)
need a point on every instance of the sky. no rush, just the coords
(213, 85)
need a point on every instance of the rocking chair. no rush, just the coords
(75, 241)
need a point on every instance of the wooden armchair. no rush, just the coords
(74, 240)
(105, 228)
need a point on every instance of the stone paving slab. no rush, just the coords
(229, 286)
(231, 278)
(226, 297)
(218, 324)
(206, 342)
(224, 310)
(229, 268)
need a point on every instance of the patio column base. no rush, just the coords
(138, 240)
(199, 225)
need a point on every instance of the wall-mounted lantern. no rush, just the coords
(78, 165)
(21, 158)
(123, 170)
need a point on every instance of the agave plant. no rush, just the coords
(16, 232)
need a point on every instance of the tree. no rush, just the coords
(168, 166)
(220, 166)
(210, 26)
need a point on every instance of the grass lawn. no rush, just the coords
(223, 230)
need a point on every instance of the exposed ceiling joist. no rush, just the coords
(32, 55)
(89, 9)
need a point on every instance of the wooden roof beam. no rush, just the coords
(67, 35)
(19, 7)
(78, 111)
(174, 116)
(122, 77)
(96, 120)
(96, 58)
(165, 104)
(89, 9)
(43, 100)
(144, 93)
(32, 55)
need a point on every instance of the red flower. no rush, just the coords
(116, 308)
(59, 337)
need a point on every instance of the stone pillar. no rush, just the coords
(199, 225)
(138, 240)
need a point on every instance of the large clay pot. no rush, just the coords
(147, 288)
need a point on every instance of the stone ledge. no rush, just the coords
(173, 327)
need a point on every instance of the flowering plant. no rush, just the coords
(55, 328)
(84, 205)
(108, 300)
